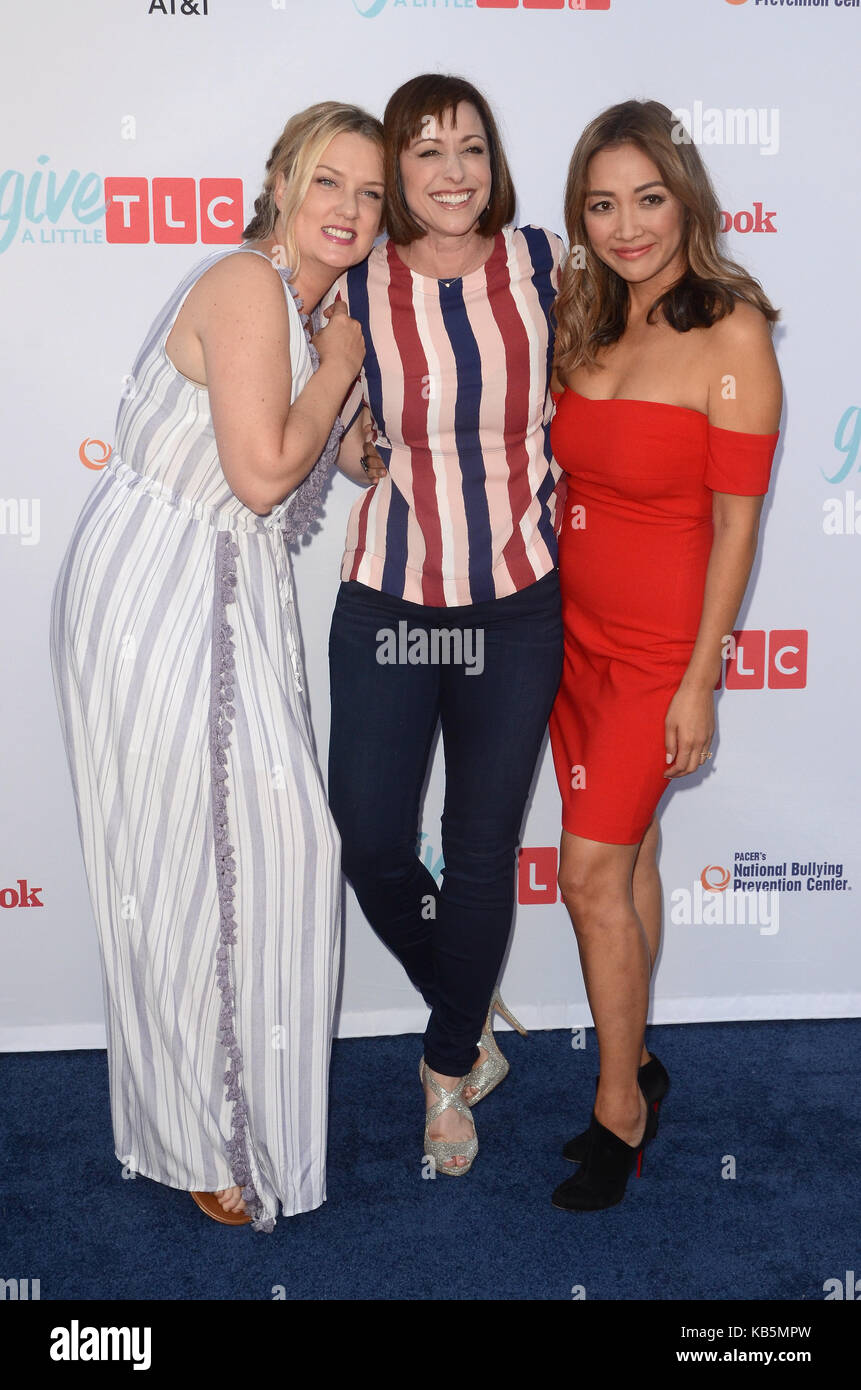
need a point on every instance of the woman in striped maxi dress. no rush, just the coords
(211, 855)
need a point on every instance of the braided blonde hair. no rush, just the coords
(296, 154)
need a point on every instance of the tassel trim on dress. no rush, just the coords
(302, 516)
(220, 729)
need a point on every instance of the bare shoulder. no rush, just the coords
(237, 282)
(745, 391)
(746, 329)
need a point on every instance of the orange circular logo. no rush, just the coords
(736, 2)
(715, 878)
(94, 453)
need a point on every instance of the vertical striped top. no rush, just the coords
(457, 374)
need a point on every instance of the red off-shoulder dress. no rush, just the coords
(633, 553)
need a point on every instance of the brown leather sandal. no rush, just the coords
(208, 1202)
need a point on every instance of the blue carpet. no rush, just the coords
(781, 1098)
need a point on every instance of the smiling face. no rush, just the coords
(340, 214)
(634, 223)
(445, 172)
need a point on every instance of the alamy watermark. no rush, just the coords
(711, 125)
(715, 907)
(435, 646)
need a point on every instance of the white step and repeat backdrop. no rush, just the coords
(134, 137)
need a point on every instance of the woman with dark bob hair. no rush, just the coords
(667, 418)
(455, 548)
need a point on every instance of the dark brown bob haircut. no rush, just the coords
(435, 94)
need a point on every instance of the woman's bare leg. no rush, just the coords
(648, 899)
(597, 886)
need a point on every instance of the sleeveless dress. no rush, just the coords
(211, 855)
(633, 553)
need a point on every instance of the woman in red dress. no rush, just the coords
(668, 404)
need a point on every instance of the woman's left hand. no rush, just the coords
(688, 730)
(372, 463)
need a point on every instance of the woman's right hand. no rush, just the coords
(340, 342)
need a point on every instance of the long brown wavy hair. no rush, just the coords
(592, 306)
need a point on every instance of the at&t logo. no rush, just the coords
(184, 7)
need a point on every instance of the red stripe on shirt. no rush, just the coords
(414, 425)
(515, 341)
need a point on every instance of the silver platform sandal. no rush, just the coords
(495, 1067)
(441, 1149)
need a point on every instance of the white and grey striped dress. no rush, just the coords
(211, 854)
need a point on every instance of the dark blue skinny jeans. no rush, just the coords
(450, 940)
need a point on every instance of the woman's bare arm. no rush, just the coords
(745, 395)
(266, 445)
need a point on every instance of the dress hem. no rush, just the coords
(313, 1204)
(613, 837)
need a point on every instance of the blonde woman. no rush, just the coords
(668, 403)
(212, 859)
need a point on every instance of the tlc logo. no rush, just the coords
(756, 221)
(543, 4)
(537, 870)
(179, 208)
(22, 896)
(785, 666)
(369, 9)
